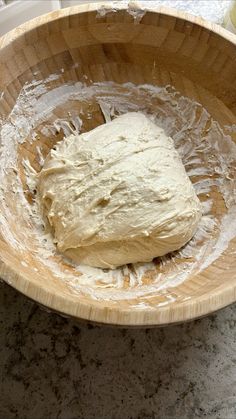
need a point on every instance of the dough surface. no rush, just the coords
(118, 194)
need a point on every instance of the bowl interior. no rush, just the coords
(73, 70)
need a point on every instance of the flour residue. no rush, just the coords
(135, 9)
(42, 116)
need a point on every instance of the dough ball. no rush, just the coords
(118, 194)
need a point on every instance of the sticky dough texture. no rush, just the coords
(118, 194)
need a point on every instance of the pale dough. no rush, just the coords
(118, 194)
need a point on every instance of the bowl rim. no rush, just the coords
(25, 27)
(203, 305)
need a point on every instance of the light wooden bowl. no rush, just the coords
(93, 43)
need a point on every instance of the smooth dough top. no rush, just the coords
(118, 194)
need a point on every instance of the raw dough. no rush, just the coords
(118, 194)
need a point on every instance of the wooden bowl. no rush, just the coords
(183, 63)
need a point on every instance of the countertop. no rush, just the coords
(57, 368)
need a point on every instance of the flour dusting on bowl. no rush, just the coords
(42, 116)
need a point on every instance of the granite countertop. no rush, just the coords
(53, 367)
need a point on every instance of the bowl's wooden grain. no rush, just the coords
(165, 46)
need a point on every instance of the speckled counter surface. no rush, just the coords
(52, 367)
